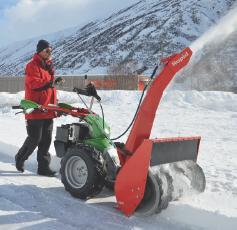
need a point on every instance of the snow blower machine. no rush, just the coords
(145, 174)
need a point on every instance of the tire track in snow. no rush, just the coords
(47, 197)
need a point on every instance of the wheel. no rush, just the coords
(109, 185)
(82, 172)
(151, 199)
(166, 189)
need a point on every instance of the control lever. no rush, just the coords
(89, 90)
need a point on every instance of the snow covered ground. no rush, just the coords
(28, 201)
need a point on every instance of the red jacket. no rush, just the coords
(37, 77)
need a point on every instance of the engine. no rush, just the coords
(70, 134)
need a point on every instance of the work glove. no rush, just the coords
(51, 84)
(91, 90)
(59, 81)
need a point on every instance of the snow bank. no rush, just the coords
(213, 100)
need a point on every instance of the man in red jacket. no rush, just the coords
(40, 88)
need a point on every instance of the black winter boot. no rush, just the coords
(19, 163)
(46, 172)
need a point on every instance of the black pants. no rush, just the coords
(39, 135)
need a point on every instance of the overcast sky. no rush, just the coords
(22, 19)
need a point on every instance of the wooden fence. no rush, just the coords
(106, 82)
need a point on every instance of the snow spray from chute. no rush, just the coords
(213, 39)
(218, 33)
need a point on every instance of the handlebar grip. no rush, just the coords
(87, 92)
(98, 97)
(16, 107)
(81, 91)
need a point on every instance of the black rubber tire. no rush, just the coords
(165, 182)
(109, 185)
(151, 199)
(95, 169)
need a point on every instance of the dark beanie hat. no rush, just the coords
(42, 44)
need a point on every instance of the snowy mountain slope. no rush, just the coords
(141, 33)
(28, 201)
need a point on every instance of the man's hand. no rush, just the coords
(59, 81)
(91, 90)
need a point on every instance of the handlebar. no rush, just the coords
(90, 90)
(81, 91)
(16, 107)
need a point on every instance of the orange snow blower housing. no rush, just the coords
(144, 183)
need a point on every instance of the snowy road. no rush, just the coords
(28, 201)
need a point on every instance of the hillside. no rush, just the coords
(139, 34)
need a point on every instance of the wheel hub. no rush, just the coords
(76, 172)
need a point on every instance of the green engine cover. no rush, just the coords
(100, 138)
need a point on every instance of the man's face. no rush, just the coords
(46, 54)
